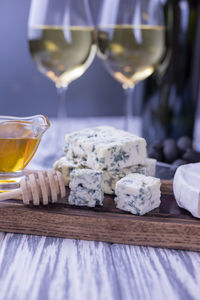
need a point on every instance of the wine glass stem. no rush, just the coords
(62, 110)
(128, 108)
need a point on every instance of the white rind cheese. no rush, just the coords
(106, 148)
(138, 193)
(86, 188)
(186, 186)
(110, 177)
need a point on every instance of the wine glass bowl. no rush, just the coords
(61, 41)
(131, 41)
(61, 53)
(126, 52)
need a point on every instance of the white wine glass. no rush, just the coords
(131, 43)
(61, 41)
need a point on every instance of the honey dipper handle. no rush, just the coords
(41, 187)
(15, 194)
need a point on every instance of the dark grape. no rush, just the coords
(168, 142)
(170, 150)
(157, 146)
(179, 162)
(175, 152)
(153, 153)
(191, 156)
(184, 143)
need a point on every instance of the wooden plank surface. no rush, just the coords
(168, 226)
(34, 267)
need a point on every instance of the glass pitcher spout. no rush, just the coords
(36, 125)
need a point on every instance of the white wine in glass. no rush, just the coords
(131, 42)
(61, 41)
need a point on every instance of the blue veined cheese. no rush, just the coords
(138, 193)
(106, 148)
(65, 167)
(110, 177)
(86, 188)
(150, 167)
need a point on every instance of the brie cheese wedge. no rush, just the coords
(186, 186)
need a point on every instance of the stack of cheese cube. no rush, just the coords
(107, 160)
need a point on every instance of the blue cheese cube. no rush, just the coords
(138, 193)
(65, 167)
(111, 177)
(106, 148)
(86, 188)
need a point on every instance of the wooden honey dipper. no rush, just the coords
(41, 187)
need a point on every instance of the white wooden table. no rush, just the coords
(33, 267)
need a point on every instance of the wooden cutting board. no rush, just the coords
(168, 226)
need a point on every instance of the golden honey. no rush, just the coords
(19, 140)
(17, 146)
(15, 153)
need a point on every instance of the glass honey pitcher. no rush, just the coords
(19, 140)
